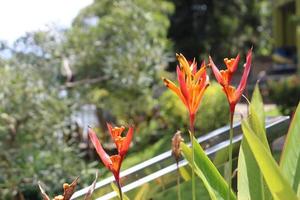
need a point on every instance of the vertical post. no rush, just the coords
(277, 25)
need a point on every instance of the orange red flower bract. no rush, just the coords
(192, 84)
(224, 78)
(113, 163)
(122, 143)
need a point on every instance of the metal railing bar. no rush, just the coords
(172, 167)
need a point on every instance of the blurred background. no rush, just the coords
(68, 64)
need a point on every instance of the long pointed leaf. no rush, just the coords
(277, 184)
(187, 152)
(142, 193)
(251, 184)
(210, 172)
(290, 157)
(257, 117)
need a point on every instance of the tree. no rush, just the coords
(221, 28)
(124, 43)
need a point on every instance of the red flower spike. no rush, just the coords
(246, 72)
(219, 76)
(224, 78)
(192, 84)
(102, 154)
(112, 163)
(122, 143)
(182, 84)
(126, 142)
(232, 63)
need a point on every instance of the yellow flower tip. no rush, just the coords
(59, 197)
(229, 61)
(179, 56)
(66, 186)
(166, 82)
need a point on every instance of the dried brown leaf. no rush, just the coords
(88, 195)
(44, 195)
(176, 145)
(69, 189)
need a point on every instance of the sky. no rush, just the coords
(20, 16)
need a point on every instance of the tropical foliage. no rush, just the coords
(259, 175)
(112, 59)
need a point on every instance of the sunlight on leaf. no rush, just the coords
(290, 157)
(278, 186)
(251, 184)
(213, 180)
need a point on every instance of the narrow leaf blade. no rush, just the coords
(290, 157)
(187, 152)
(257, 117)
(277, 184)
(251, 184)
(210, 172)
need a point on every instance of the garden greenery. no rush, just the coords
(259, 175)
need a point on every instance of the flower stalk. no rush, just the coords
(114, 162)
(230, 153)
(192, 84)
(233, 94)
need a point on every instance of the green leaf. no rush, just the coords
(251, 185)
(290, 157)
(187, 152)
(115, 188)
(257, 117)
(277, 184)
(142, 193)
(209, 174)
(184, 173)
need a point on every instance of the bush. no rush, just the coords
(285, 93)
(36, 136)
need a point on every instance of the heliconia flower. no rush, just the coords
(192, 84)
(122, 143)
(113, 163)
(224, 78)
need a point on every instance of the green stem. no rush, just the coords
(230, 154)
(193, 167)
(192, 134)
(178, 183)
(120, 190)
